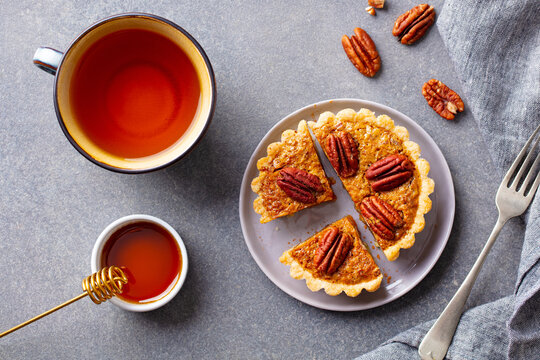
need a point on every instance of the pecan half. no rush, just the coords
(381, 217)
(343, 153)
(333, 249)
(445, 101)
(390, 172)
(379, 4)
(362, 52)
(412, 25)
(299, 184)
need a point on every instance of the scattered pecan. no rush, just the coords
(299, 184)
(390, 172)
(445, 101)
(381, 217)
(343, 153)
(412, 25)
(379, 4)
(362, 52)
(371, 11)
(333, 249)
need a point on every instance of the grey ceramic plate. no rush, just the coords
(267, 242)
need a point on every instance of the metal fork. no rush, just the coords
(510, 202)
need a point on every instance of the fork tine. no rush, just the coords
(534, 187)
(524, 165)
(518, 158)
(530, 175)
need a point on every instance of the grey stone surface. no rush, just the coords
(270, 58)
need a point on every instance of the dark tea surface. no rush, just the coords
(150, 257)
(134, 93)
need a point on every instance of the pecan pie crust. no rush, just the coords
(378, 138)
(357, 272)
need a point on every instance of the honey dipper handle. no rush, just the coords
(42, 315)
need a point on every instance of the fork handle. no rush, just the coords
(438, 339)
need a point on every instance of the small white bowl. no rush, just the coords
(109, 230)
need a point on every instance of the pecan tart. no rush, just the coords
(334, 259)
(291, 177)
(382, 172)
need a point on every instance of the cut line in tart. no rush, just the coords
(382, 171)
(336, 260)
(291, 177)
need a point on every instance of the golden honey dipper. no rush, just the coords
(100, 286)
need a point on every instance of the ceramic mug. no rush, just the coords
(165, 100)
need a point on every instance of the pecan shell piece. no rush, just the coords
(379, 4)
(390, 172)
(412, 25)
(381, 217)
(343, 153)
(362, 52)
(334, 246)
(299, 185)
(445, 101)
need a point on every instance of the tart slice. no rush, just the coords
(382, 172)
(334, 259)
(291, 177)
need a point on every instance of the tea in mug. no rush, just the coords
(134, 93)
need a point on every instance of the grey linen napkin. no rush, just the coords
(495, 46)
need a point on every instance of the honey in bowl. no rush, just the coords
(134, 93)
(150, 257)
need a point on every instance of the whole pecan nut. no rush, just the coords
(343, 153)
(362, 52)
(390, 172)
(381, 217)
(412, 25)
(333, 249)
(445, 101)
(299, 184)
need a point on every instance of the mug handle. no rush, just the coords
(48, 59)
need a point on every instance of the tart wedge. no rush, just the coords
(382, 171)
(336, 260)
(291, 177)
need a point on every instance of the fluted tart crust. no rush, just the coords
(295, 151)
(356, 272)
(377, 139)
